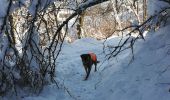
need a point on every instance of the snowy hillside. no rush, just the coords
(146, 78)
(24, 73)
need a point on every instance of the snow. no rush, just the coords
(3, 7)
(32, 7)
(155, 6)
(146, 78)
(3, 10)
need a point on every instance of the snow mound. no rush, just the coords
(146, 78)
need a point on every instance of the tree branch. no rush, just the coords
(78, 11)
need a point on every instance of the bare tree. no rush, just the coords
(33, 39)
(32, 43)
(159, 19)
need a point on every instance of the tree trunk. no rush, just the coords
(144, 10)
(80, 25)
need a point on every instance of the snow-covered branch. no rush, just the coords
(78, 11)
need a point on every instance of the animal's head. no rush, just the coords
(85, 58)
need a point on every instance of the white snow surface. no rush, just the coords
(3, 7)
(155, 6)
(146, 78)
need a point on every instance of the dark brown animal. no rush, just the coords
(88, 60)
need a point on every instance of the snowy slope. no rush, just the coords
(70, 73)
(146, 78)
(71, 70)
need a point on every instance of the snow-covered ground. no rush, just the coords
(146, 78)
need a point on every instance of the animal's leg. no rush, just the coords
(95, 64)
(89, 69)
(86, 69)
